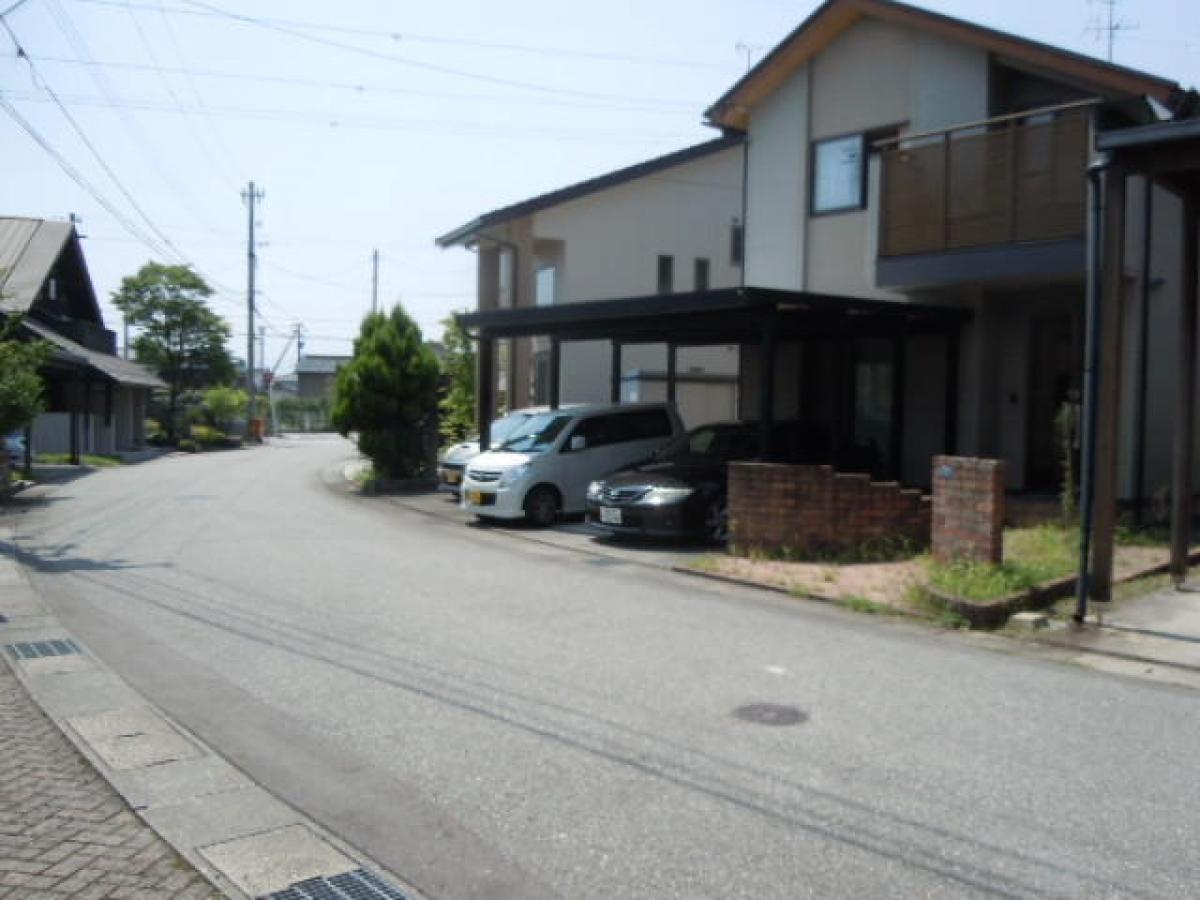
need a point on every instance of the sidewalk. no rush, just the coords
(1159, 628)
(103, 796)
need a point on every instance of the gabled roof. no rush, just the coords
(833, 17)
(591, 186)
(29, 248)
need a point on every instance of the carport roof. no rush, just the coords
(723, 316)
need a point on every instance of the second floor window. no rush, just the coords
(666, 274)
(839, 173)
(701, 279)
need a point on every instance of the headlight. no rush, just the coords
(664, 496)
(511, 476)
(594, 489)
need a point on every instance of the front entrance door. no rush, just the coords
(1054, 380)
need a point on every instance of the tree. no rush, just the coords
(181, 338)
(21, 397)
(388, 394)
(457, 405)
(223, 405)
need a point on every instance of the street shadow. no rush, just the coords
(59, 560)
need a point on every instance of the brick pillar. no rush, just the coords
(968, 509)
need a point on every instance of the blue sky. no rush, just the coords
(374, 124)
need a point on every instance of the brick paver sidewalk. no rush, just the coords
(64, 833)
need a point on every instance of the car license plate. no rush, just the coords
(475, 497)
(610, 516)
(452, 478)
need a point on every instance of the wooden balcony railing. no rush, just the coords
(1015, 178)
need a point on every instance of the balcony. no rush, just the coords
(1000, 198)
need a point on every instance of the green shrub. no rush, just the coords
(187, 445)
(207, 436)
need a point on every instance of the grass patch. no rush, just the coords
(364, 476)
(706, 563)
(866, 605)
(873, 551)
(95, 460)
(934, 610)
(1032, 555)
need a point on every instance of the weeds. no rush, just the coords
(96, 461)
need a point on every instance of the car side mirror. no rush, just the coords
(578, 442)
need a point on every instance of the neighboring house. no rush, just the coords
(96, 401)
(315, 375)
(668, 225)
(914, 215)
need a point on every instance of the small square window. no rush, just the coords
(839, 174)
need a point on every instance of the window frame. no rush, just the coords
(863, 168)
(665, 265)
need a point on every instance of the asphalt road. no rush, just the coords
(489, 717)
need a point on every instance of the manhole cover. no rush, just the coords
(770, 714)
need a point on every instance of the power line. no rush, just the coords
(387, 123)
(637, 105)
(390, 57)
(409, 37)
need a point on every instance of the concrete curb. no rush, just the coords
(245, 841)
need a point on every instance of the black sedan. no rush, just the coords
(680, 493)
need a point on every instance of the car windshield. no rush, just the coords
(713, 443)
(506, 426)
(536, 434)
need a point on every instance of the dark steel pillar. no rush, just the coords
(671, 359)
(950, 417)
(766, 389)
(485, 390)
(614, 390)
(899, 360)
(555, 373)
(1185, 399)
(1108, 393)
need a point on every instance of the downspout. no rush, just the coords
(1139, 427)
(1091, 376)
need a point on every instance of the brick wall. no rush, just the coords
(812, 509)
(968, 509)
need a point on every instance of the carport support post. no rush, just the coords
(614, 389)
(950, 420)
(766, 389)
(671, 359)
(899, 346)
(1185, 399)
(1108, 394)
(555, 373)
(486, 372)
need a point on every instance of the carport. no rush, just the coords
(759, 318)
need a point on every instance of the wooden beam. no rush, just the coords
(1185, 398)
(1108, 399)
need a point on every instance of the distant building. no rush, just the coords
(315, 374)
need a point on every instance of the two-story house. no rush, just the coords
(95, 400)
(914, 248)
(668, 225)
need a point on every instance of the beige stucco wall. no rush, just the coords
(875, 75)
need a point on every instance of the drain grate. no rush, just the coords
(770, 714)
(361, 884)
(39, 649)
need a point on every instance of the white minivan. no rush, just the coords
(544, 467)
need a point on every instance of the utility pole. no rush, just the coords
(375, 281)
(251, 195)
(299, 329)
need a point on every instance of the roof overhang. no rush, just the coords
(93, 362)
(833, 17)
(725, 316)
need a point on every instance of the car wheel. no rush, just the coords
(541, 506)
(716, 521)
